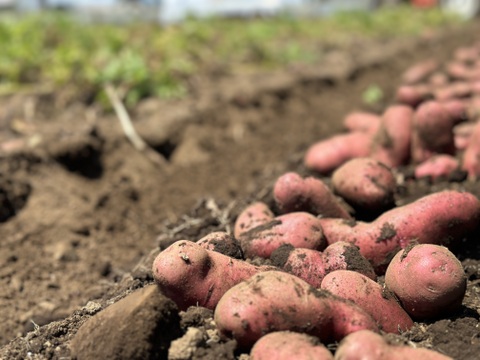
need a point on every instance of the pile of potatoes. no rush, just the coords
(342, 262)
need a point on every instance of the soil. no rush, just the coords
(83, 213)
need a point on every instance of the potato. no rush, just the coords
(222, 243)
(391, 143)
(456, 90)
(437, 166)
(440, 218)
(191, 275)
(471, 156)
(362, 121)
(326, 155)
(367, 345)
(371, 297)
(433, 130)
(277, 301)
(462, 134)
(252, 216)
(420, 71)
(293, 193)
(312, 266)
(460, 71)
(413, 95)
(438, 79)
(428, 280)
(365, 184)
(299, 229)
(288, 345)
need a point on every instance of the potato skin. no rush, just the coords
(437, 166)
(276, 301)
(222, 243)
(293, 193)
(367, 345)
(326, 155)
(371, 297)
(253, 215)
(191, 275)
(366, 184)
(439, 218)
(299, 229)
(287, 345)
(428, 280)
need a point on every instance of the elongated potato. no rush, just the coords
(191, 275)
(252, 216)
(437, 166)
(288, 345)
(413, 95)
(293, 193)
(428, 280)
(471, 156)
(276, 301)
(442, 218)
(299, 229)
(371, 297)
(362, 121)
(366, 345)
(420, 71)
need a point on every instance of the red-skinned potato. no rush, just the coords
(326, 155)
(428, 280)
(438, 166)
(413, 95)
(433, 130)
(362, 121)
(222, 243)
(367, 345)
(191, 275)
(462, 134)
(440, 218)
(366, 184)
(252, 216)
(471, 156)
(371, 297)
(299, 229)
(293, 193)
(420, 71)
(288, 345)
(391, 143)
(277, 301)
(312, 266)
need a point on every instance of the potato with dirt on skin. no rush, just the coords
(367, 345)
(312, 266)
(193, 276)
(428, 280)
(299, 229)
(293, 193)
(443, 218)
(252, 216)
(288, 345)
(276, 301)
(223, 243)
(438, 166)
(366, 184)
(380, 303)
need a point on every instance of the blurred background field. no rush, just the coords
(52, 50)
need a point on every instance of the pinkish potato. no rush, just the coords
(277, 301)
(466, 54)
(460, 71)
(366, 184)
(471, 156)
(293, 193)
(440, 218)
(299, 229)
(437, 166)
(222, 243)
(413, 95)
(428, 280)
(326, 155)
(456, 90)
(462, 133)
(288, 345)
(367, 345)
(433, 130)
(420, 71)
(362, 121)
(371, 297)
(391, 143)
(438, 79)
(191, 275)
(312, 266)
(252, 216)
(473, 108)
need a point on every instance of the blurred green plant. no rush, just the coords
(54, 51)
(372, 95)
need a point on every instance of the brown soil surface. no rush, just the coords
(83, 213)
